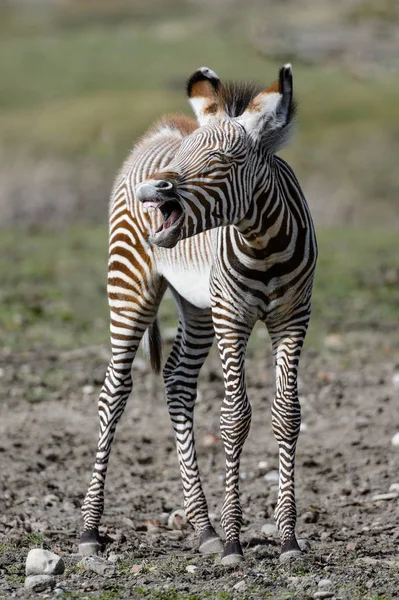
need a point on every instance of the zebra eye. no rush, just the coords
(214, 161)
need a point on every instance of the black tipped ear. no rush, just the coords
(269, 115)
(285, 89)
(202, 88)
(285, 79)
(202, 74)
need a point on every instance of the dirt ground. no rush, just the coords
(345, 460)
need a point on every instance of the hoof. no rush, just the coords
(232, 554)
(212, 546)
(290, 550)
(210, 542)
(89, 543)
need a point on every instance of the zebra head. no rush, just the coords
(218, 168)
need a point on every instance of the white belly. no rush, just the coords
(191, 283)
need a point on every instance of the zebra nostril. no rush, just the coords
(162, 184)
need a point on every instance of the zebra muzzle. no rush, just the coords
(160, 196)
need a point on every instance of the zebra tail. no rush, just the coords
(152, 345)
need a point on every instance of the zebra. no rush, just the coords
(205, 208)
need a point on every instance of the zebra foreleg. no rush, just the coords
(127, 330)
(112, 401)
(286, 421)
(191, 347)
(235, 421)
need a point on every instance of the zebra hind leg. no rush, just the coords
(286, 422)
(127, 329)
(191, 347)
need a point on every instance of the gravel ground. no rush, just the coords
(347, 468)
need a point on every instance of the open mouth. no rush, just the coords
(172, 217)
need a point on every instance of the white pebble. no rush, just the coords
(113, 558)
(39, 583)
(191, 568)
(269, 529)
(394, 487)
(395, 379)
(389, 496)
(324, 583)
(271, 476)
(263, 465)
(50, 500)
(303, 427)
(58, 591)
(322, 594)
(395, 439)
(43, 562)
(88, 389)
(240, 586)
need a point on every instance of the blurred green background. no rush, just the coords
(82, 80)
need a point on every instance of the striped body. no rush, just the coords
(236, 244)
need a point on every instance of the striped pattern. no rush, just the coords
(253, 259)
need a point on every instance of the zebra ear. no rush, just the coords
(202, 88)
(269, 115)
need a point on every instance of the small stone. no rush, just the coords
(395, 439)
(271, 476)
(389, 496)
(322, 594)
(269, 530)
(178, 520)
(39, 583)
(58, 591)
(113, 558)
(351, 546)
(43, 562)
(324, 584)
(325, 535)
(243, 475)
(394, 487)
(136, 569)
(191, 568)
(96, 565)
(50, 500)
(304, 545)
(88, 389)
(240, 586)
(263, 465)
(395, 379)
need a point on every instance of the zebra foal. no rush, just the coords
(207, 208)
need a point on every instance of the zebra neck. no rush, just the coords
(268, 220)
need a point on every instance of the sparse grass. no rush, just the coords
(54, 287)
(33, 539)
(15, 574)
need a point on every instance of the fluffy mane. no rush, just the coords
(236, 95)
